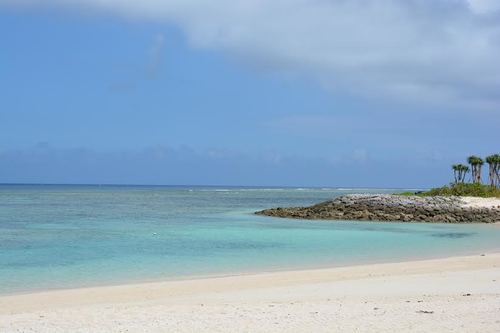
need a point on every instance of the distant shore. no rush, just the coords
(451, 294)
(386, 207)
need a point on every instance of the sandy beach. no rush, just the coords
(476, 202)
(458, 294)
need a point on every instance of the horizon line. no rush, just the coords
(212, 185)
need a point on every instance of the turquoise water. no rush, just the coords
(70, 236)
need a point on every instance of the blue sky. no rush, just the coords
(169, 92)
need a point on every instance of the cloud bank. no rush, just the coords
(160, 165)
(440, 51)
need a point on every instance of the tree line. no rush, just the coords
(460, 171)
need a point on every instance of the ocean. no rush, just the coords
(66, 236)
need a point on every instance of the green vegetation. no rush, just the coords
(460, 189)
(409, 194)
(474, 189)
(465, 190)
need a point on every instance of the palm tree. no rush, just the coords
(492, 166)
(462, 172)
(464, 169)
(459, 172)
(497, 168)
(494, 169)
(476, 163)
(456, 172)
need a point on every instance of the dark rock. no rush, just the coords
(385, 207)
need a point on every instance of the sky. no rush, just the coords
(373, 93)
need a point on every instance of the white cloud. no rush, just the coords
(484, 6)
(443, 51)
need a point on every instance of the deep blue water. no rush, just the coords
(70, 236)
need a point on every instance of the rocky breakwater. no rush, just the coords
(396, 208)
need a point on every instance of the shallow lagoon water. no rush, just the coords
(71, 236)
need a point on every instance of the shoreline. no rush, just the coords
(451, 294)
(170, 290)
(460, 293)
(257, 272)
(422, 262)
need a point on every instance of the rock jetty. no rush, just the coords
(386, 207)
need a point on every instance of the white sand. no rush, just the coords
(476, 202)
(369, 298)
